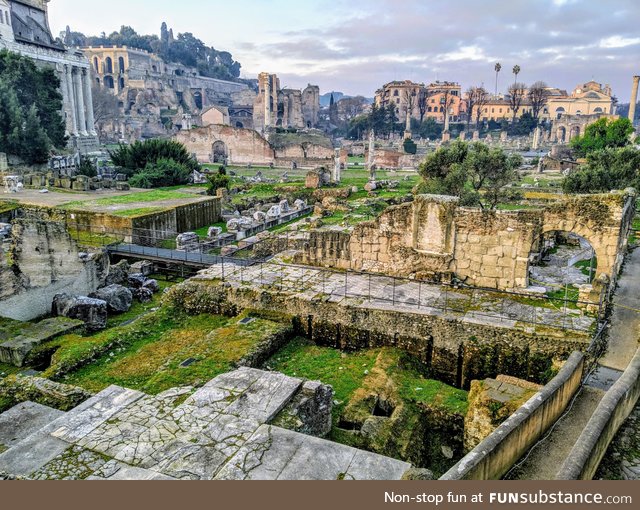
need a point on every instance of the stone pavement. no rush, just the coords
(378, 291)
(220, 431)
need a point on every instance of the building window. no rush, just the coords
(96, 64)
(429, 109)
(398, 101)
(121, 64)
(109, 63)
(396, 93)
(1, 18)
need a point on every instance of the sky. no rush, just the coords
(355, 46)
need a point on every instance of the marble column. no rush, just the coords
(82, 121)
(88, 102)
(68, 83)
(634, 98)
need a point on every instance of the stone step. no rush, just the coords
(21, 421)
(45, 444)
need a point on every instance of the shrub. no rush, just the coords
(218, 180)
(136, 157)
(164, 172)
(410, 146)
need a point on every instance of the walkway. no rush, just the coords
(547, 457)
(378, 291)
(197, 259)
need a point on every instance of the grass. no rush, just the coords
(133, 198)
(8, 205)
(94, 240)
(140, 211)
(154, 347)
(344, 371)
(202, 232)
(585, 267)
(347, 372)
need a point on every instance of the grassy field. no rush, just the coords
(133, 198)
(346, 372)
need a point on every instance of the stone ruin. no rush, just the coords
(188, 241)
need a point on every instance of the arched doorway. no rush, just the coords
(239, 125)
(121, 64)
(561, 262)
(109, 65)
(108, 82)
(574, 132)
(197, 98)
(561, 134)
(219, 152)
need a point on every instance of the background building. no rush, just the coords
(25, 30)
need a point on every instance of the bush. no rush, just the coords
(217, 181)
(87, 167)
(138, 156)
(165, 172)
(410, 146)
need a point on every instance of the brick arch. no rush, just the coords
(603, 264)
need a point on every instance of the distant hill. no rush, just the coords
(325, 99)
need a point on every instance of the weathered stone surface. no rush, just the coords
(22, 388)
(143, 267)
(152, 285)
(273, 453)
(16, 343)
(118, 273)
(309, 411)
(118, 298)
(22, 420)
(93, 312)
(143, 294)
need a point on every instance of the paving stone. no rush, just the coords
(94, 412)
(273, 453)
(118, 471)
(21, 421)
(31, 454)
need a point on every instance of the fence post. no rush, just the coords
(394, 292)
(223, 269)
(419, 293)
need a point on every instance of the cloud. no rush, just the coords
(617, 41)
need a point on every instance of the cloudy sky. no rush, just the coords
(355, 46)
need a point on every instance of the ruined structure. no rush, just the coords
(238, 146)
(25, 30)
(566, 126)
(153, 95)
(435, 238)
(286, 108)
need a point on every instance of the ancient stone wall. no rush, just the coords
(43, 261)
(432, 238)
(494, 456)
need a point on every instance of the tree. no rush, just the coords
(161, 173)
(516, 72)
(474, 172)
(30, 118)
(538, 97)
(141, 156)
(105, 104)
(430, 129)
(477, 97)
(497, 68)
(606, 169)
(603, 134)
(517, 94)
(423, 102)
(218, 180)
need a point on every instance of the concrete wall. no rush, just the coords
(612, 411)
(494, 456)
(433, 238)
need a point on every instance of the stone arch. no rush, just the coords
(239, 125)
(561, 134)
(96, 64)
(108, 65)
(219, 152)
(560, 112)
(121, 64)
(121, 83)
(197, 98)
(598, 110)
(574, 131)
(108, 82)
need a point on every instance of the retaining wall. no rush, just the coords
(612, 411)
(494, 456)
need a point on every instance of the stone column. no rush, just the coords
(634, 98)
(82, 121)
(88, 102)
(68, 83)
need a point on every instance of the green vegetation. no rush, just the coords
(606, 169)
(474, 172)
(151, 363)
(154, 163)
(30, 120)
(217, 181)
(410, 147)
(8, 205)
(132, 198)
(603, 134)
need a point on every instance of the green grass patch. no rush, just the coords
(8, 205)
(151, 363)
(132, 198)
(139, 211)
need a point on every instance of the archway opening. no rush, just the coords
(108, 82)
(561, 134)
(239, 125)
(219, 152)
(560, 263)
(197, 98)
(109, 65)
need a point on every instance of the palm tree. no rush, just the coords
(498, 68)
(516, 71)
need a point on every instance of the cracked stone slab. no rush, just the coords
(94, 412)
(115, 470)
(273, 453)
(22, 420)
(31, 454)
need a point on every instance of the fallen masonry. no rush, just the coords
(221, 431)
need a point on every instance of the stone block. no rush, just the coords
(21, 421)
(118, 298)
